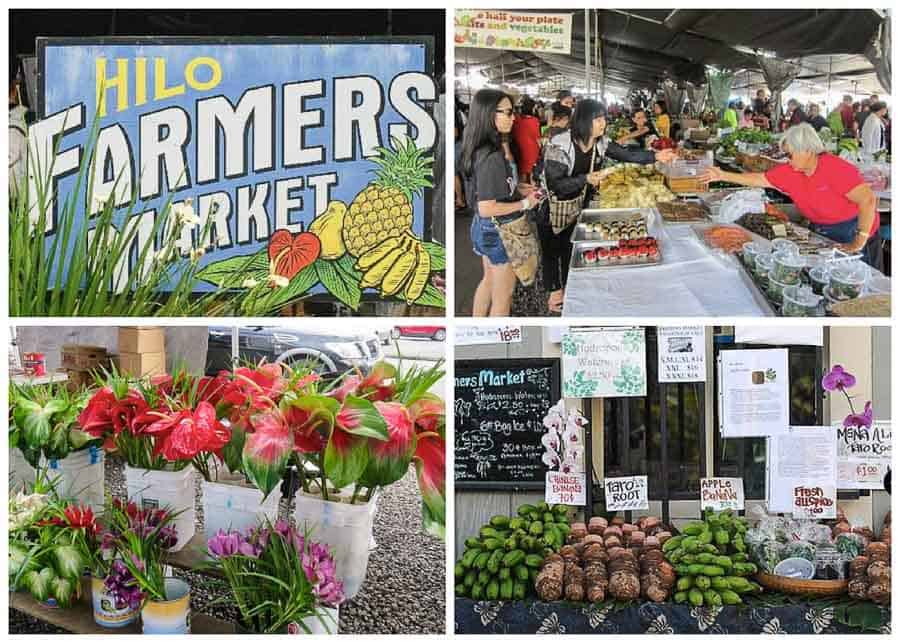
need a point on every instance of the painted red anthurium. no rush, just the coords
(266, 450)
(347, 452)
(289, 254)
(389, 459)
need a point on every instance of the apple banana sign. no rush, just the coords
(301, 165)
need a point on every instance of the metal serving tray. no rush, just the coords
(577, 263)
(591, 216)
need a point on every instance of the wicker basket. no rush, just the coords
(799, 586)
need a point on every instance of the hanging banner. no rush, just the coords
(549, 33)
(800, 462)
(472, 335)
(863, 455)
(720, 494)
(565, 489)
(607, 362)
(682, 353)
(300, 164)
(626, 493)
(754, 392)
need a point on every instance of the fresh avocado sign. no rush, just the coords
(304, 164)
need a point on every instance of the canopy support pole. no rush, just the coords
(587, 50)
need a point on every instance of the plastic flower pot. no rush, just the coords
(79, 477)
(316, 626)
(232, 505)
(345, 528)
(105, 612)
(165, 489)
(171, 616)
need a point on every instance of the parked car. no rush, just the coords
(437, 333)
(384, 335)
(328, 352)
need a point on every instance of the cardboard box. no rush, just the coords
(142, 364)
(84, 358)
(142, 339)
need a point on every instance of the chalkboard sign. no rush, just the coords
(499, 411)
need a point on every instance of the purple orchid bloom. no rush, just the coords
(863, 419)
(225, 544)
(838, 379)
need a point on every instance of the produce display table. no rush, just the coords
(79, 619)
(535, 617)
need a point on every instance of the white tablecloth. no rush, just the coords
(689, 282)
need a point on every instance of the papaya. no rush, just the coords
(504, 573)
(534, 561)
(706, 558)
(723, 561)
(525, 510)
(481, 560)
(695, 569)
(722, 537)
(484, 577)
(739, 584)
(461, 590)
(689, 559)
(549, 518)
(471, 577)
(520, 589)
(510, 543)
(506, 589)
(542, 507)
(705, 537)
(719, 583)
(521, 572)
(490, 544)
(536, 529)
(459, 571)
(672, 543)
(493, 564)
(487, 532)
(694, 528)
(468, 558)
(561, 510)
(513, 558)
(516, 523)
(473, 543)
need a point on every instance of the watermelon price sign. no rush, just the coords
(303, 164)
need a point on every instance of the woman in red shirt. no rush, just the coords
(827, 190)
(526, 136)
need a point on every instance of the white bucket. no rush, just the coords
(331, 618)
(79, 477)
(232, 506)
(161, 489)
(21, 474)
(345, 528)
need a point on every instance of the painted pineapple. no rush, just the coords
(377, 229)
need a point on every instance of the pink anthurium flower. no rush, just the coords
(347, 453)
(389, 459)
(266, 451)
(379, 385)
(427, 413)
(430, 461)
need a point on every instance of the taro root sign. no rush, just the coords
(626, 493)
(302, 162)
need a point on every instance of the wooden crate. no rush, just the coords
(686, 185)
(84, 358)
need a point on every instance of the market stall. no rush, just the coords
(690, 480)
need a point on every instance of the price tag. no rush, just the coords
(719, 494)
(626, 493)
(565, 489)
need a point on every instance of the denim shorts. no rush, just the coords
(486, 241)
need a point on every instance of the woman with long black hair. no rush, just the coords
(494, 193)
(572, 162)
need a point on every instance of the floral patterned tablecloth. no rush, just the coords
(535, 617)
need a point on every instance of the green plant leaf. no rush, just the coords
(231, 272)
(339, 284)
(431, 296)
(360, 417)
(298, 286)
(346, 457)
(438, 255)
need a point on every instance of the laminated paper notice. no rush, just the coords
(755, 392)
(802, 470)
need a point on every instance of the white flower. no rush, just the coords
(279, 281)
(184, 213)
(250, 282)
(196, 253)
(100, 201)
(550, 441)
(550, 459)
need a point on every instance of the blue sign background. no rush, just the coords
(68, 78)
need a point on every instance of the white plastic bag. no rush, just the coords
(739, 203)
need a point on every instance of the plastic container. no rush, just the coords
(346, 528)
(171, 616)
(749, 252)
(847, 281)
(776, 288)
(799, 301)
(795, 568)
(172, 489)
(788, 267)
(79, 477)
(785, 245)
(762, 266)
(819, 278)
(232, 506)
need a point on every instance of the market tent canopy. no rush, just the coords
(640, 48)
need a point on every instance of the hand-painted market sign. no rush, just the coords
(606, 362)
(306, 162)
(514, 30)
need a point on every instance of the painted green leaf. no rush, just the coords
(438, 255)
(298, 286)
(231, 272)
(431, 296)
(339, 284)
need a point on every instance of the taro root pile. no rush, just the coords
(609, 560)
(870, 573)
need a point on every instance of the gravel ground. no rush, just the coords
(404, 588)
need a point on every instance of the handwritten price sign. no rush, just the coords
(815, 502)
(565, 489)
(626, 493)
(719, 494)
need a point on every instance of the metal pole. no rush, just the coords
(587, 50)
(235, 347)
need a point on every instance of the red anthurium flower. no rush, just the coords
(389, 459)
(96, 418)
(379, 385)
(430, 460)
(347, 453)
(310, 419)
(124, 411)
(195, 433)
(348, 386)
(289, 254)
(428, 413)
(81, 518)
(266, 450)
